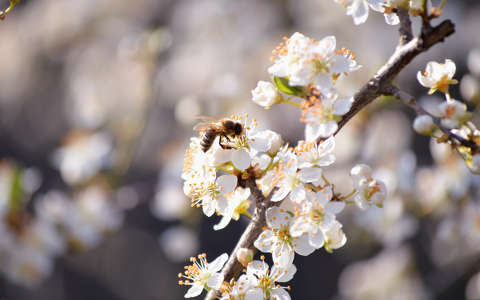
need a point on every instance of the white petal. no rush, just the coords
(310, 174)
(342, 106)
(223, 205)
(208, 207)
(241, 159)
(257, 267)
(327, 44)
(227, 183)
(327, 146)
(298, 194)
(215, 281)
(283, 255)
(287, 276)
(302, 246)
(425, 81)
(359, 11)
(280, 194)
(450, 67)
(328, 129)
(280, 294)
(194, 291)
(299, 226)
(335, 207)
(317, 239)
(265, 241)
(276, 217)
(312, 132)
(223, 222)
(254, 294)
(218, 263)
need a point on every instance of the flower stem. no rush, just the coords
(291, 102)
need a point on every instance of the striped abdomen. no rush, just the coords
(208, 138)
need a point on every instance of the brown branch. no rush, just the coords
(233, 267)
(402, 56)
(412, 103)
(405, 29)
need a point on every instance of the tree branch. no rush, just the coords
(233, 267)
(405, 29)
(402, 56)
(412, 103)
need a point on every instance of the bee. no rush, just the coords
(223, 128)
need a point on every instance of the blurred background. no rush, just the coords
(97, 104)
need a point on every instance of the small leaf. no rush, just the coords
(284, 87)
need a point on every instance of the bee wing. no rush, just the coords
(206, 122)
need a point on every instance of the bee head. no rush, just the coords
(238, 128)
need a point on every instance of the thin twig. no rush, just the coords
(412, 103)
(402, 56)
(405, 29)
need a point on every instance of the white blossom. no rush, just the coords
(264, 281)
(369, 191)
(306, 61)
(266, 94)
(203, 275)
(315, 216)
(322, 117)
(278, 239)
(316, 155)
(232, 205)
(438, 76)
(453, 113)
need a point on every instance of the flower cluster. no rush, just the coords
(359, 9)
(306, 70)
(452, 114)
(219, 163)
(306, 218)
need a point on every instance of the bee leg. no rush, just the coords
(225, 147)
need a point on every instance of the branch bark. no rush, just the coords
(402, 56)
(233, 267)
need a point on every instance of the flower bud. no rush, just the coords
(423, 124)
(266, 94)
(245, 256)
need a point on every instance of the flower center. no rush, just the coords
(316, 215)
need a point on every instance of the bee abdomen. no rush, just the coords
(207, 139)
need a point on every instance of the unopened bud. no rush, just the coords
(245, 256)
(266, 94)
(423, 124)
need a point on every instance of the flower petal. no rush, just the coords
(302, 246)
(215, 281)
(280, 294)
(241, 159)
(316, 239)
(218, 263)
(310, 174)
(227, 183)
(194, 291)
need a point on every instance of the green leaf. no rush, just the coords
(284, 87)
(16, 191)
